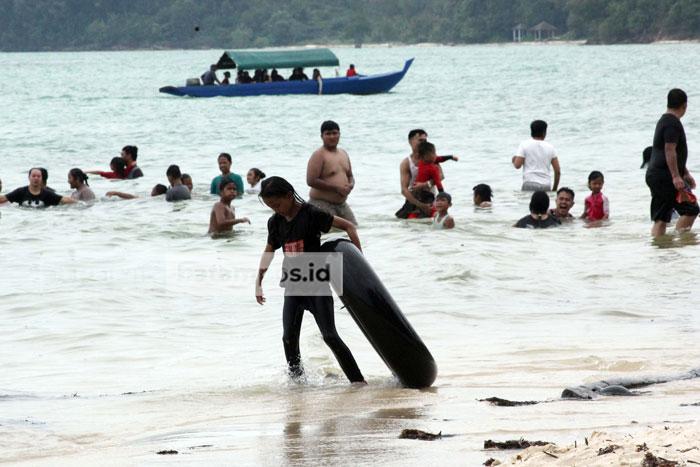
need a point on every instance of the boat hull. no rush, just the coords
(371, 84)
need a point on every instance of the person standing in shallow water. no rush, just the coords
(296, 227)
(329, 175)
(535, 156)
(667, 177)
(79, 182)
(538, 217)
(35, 195)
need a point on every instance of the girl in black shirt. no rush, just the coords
(296, 227)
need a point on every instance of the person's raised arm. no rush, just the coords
(557, 173)
(405, 189)
(349, 228)
(672, 162)
(265, 261)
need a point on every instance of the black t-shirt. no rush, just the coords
(528, 222)
(669, 129)
(24, 197)
(301, 234)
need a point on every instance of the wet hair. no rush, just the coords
(159, 189)
(278, 187)
(186, 177)
(483, 191)
(40, 169)
(78, 175)
(119, 166)
(538, 129)
(173, 171)
(444, 195)
(676, 98)
(646, 156)
(133, 151)
(595, 175)
(425, 148)
(225, 181)
(258, 173)
(416, 131)
(539, 203)
(566, 190)
(329, 125)
(226, 155)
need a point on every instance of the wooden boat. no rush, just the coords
(253, 60)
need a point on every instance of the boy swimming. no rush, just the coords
(442, 219)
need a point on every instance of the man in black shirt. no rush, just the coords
(667, 176)
(35, 194)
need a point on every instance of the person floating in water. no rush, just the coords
(597, 206)
(158, 190)
(482, 195)
(296, 227)
(79, 182)
(442, 219)
(35, 195)
(538, 217)
(223, 216)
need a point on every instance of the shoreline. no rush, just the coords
(372, 45)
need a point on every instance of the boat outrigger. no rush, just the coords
(255, 60)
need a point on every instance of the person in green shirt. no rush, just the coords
(225, 167)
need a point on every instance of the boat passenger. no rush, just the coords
(316, 75)
(351, 71)
(118, 167)
(246, 78)
(265, 77)
(258, 76)
(209, 77)
(35, 195)
(79, 181)
(254, 177)
(226, 80)
(239, 77)
(275, 76)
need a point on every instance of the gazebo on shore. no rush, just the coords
(519, 30)
(543, 31)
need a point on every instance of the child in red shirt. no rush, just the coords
(597, 205)
(118, 167)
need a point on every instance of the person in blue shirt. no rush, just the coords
(225, 167)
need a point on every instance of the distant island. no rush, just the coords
(43, 25)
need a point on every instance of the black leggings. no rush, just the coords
(322, 309)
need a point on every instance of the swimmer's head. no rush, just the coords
(482, 193)
(130, 153)
(565, 198)
(173, 173)
(279, 195)
(596, 181)
(36, 177)
(538, 129)
(159, 189)
(118, 166)
(426, 151)
(443, 201)
(539, 203)
(187, 181)
(227, 189)
(254, 176)
(76, 178)
(224, 160)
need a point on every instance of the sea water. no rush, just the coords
(125, 330)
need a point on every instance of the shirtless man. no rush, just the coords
(408, 170)
(329, 174)
(223, 216)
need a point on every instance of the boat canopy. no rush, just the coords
(252, 60)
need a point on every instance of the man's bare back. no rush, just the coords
(329, 174)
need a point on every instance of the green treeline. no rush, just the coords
(126, 24)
